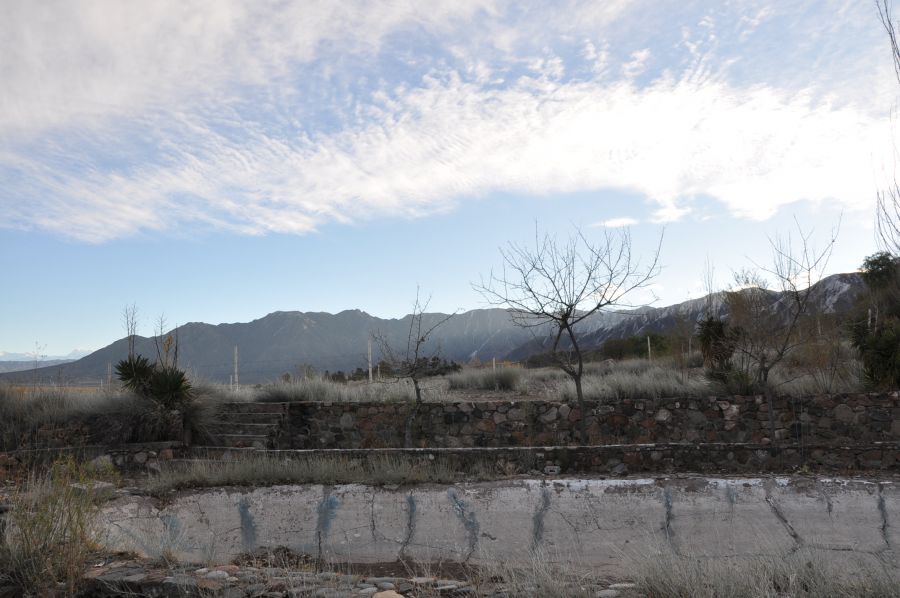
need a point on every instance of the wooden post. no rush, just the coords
(236, 381)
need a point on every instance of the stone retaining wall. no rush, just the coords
(611, 460)
(822, 420)
(113, 428)
(133, 458)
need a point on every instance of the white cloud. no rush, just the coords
(617, 222)
(68, 60)
(99, 82)
(637, 64)
(753, 149)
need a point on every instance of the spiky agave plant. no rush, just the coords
(135, 372)
(170, 387)
(165, 384)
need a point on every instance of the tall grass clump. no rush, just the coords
(25, 411)
(633, 381)
(546, 575)
(801, 575)
(267, 470)
(212, 393)
(51, 530)
(508, 379)
(317, 389)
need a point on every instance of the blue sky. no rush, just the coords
(219, 161)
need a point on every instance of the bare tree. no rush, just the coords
(413, 362)
(166, 343)
(554, 286)
(887, 220)
(768, 324)
(887, 210)
(773, 323)
(129, 322)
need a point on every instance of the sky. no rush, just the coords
(218, 161)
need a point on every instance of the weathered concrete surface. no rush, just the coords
(597, 523)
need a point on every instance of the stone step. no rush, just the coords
(252, 408)
(217, 428)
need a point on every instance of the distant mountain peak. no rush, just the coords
(288, 341)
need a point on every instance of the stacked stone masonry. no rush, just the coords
(858, 419)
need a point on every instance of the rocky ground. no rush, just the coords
(258, 578)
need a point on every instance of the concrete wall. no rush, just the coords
(825, 420)
(597, 523)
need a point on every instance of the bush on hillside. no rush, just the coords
(164, 384)
(875, 329)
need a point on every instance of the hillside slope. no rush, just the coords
(285, 341)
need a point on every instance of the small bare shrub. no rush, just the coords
(51, 529)
(508, 379)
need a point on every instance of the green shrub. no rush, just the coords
(717, 345)
(875, 328)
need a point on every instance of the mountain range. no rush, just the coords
(285, 342)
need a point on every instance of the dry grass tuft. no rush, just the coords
(23, 412)
(317, 389)
(267, 470)
(51, 532)
(542, 576)
(801, 575)
(508, 379)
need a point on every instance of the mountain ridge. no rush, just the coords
(288, 341)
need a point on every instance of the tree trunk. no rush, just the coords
(411, 418)
(770, 402)
(582, 424)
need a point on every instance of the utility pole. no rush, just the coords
(236, 380)
(370, 360)
(494, 364)
(108, 374)
(649, 353)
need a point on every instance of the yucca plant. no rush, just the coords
(134, 373)
(169, 386)
(165, 384)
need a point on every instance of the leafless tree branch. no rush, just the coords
(554, 285)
